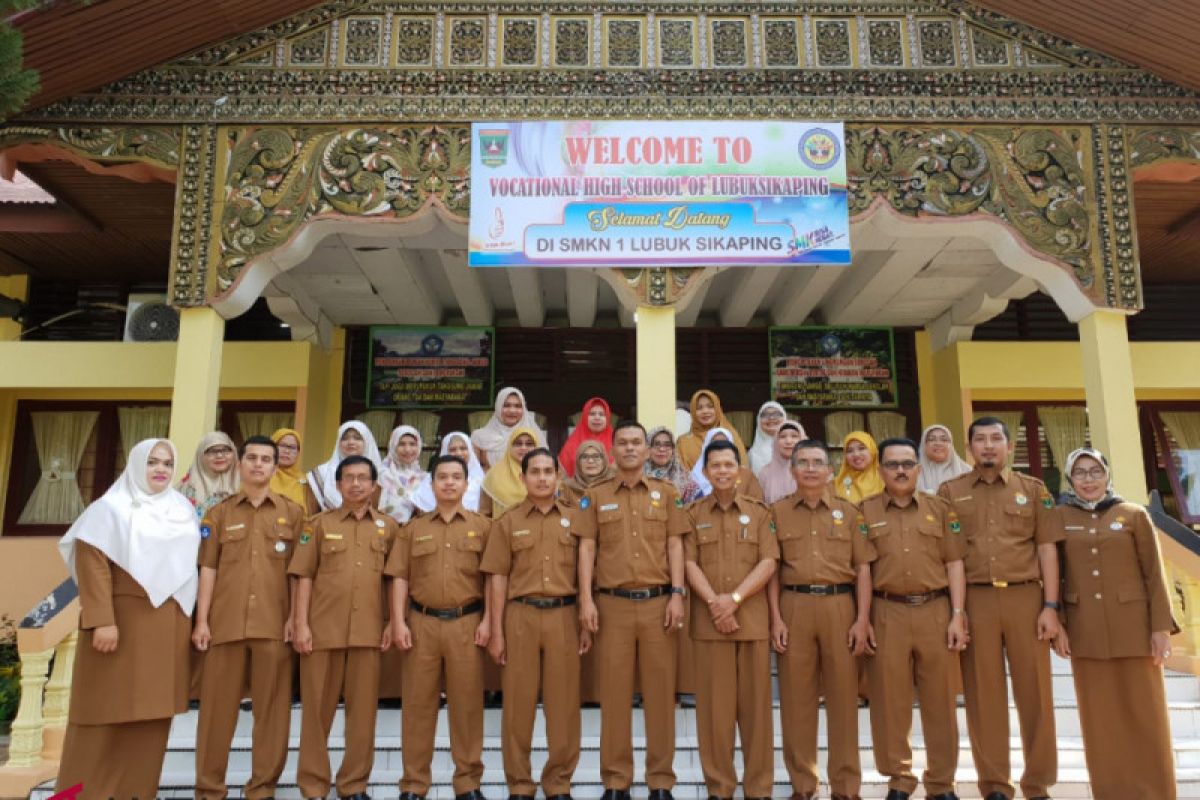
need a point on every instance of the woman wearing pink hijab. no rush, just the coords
(595, 424)
(776, 477)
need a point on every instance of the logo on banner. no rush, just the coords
(820, 149)
(493, 145)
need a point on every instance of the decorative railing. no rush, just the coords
(1181, 555)
(46, 640)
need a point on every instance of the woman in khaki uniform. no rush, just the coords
(133, 555)
(1117, 632)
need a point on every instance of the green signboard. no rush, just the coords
(826, 367)
(424, 367)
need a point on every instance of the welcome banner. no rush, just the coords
(652, 194)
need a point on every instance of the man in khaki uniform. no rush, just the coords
(731, 554)
(532, 558)
(825, 564)
(243, 623)
(1012, 600)
(631, 530)
(340, 630)
(916, 633)
(436, 571)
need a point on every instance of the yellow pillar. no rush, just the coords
(16, 287)
(1112, 410)
(656, 366)
(939, 388)
(197, 380)
(319, 403)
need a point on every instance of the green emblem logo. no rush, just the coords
(493, 147)
(679, 502)
(305, 538)
(956, 527)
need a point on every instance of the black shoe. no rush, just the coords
(520, 797)
(942, 796)
(560, 797)
(661, 794)
(357, 796)
(474, 794)
(411, 796)
(896, 794)
(999, 796)
(615, 794)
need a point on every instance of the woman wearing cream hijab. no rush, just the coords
(770, 416)
(939, 460)
(859, 476)
(353, 439)
(511, 412)
(213, 476)
(706, 415)
(503, 487)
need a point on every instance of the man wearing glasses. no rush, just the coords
(918, 625)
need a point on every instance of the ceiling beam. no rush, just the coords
(398, 280)
(987, 300)
(45, 219)
(874, 279)
(293, 305)
(582, 289)
(687, 314)
(1187, 226)
(472, 297)
(526, 285)
(739, 306)
(801, 293)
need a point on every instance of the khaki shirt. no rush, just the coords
(441, 560)
(1002, 522)
(250, 549)
(1114, 587)
(631, 525)
(728, 542)
(914, 543)
(822, 545)
(345, 557)
(536, 550)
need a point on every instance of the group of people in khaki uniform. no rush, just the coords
(909, 584)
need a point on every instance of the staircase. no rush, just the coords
(1183, 695)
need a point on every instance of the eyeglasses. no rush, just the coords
(806, 464)
(770, 415)
(220, 450)
(934, 438)
(895, 465)
(287, 447)
(592, 457)
(664, 445)
(1095, 473)
(356, 479)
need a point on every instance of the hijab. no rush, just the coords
(503, 480)
(323, 479)
(581, 484)
(398, 482)
(289, 481)
(854, 485)
(703, 486)
(154, 536)
(1111, 498)
(776, 477)
(582, 433)
(425, 500)
(933, 474)
(690, 446)
(674, 472)
(493, 438)
(763, 449)
(205, 488)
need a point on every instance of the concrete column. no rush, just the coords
(319, 401)
(197, 381)
(939, 386)
(656, 366)
(1112, 409)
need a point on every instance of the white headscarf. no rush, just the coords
(763, 449)
(398, 482)
(424, 498)
(323, 479)
(154, 536)
(698, 468)
(492, 438)
(933, 474)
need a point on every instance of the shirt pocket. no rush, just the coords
(468, 553)
(655, 524)
(234, 545)
(522, 542)
(931, 535)
(790, 542)
(333, 555)
(424, 547)
(281, 543)
(611, 524)
(838, 544)
(379, 552)
(568, 549)
(1018, 519)
(708, 545)
(747, 545)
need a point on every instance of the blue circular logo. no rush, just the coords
(820, 148)
(831, 343)
(432, 345)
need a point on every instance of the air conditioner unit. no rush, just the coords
(148, 318)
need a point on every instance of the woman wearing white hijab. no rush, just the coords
(132, 553)
(746, 483)
(770, 417)
(214, 475)
(457, 444)
(939, 461)
(353, 439)
(401, 474)
(491, 441)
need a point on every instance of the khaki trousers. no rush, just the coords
(326, 676)
(543, 652)
(1126, 731)
(911, 649)
(114, 762)
(442, 648)
(1003, 625)
(733, 696)
(632, 641)
(817, 659)
(268, 665)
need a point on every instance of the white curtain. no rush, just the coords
(743, 423)
(380, 423)
(1185, 428)
(1015, 420)
(840, 424)
(477, 419)
(61, 438)
(886, 425)
(262, 423)
(426, 423)
(138, 423)
(1066, 429)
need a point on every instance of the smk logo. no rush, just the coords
(493, 145)
(820, 149)
(69, 794)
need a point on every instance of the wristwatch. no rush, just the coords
(1052, 605)
(737, 598)
(679, 590)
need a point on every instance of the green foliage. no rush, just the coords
(10, 671)
(17, 84)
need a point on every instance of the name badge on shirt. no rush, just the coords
(425, 538)
(964, 497)
(1073, 527)
(520, 533)
(610, 506)
(237, 527)
(702, 526)
(336, 537)
(877, 524)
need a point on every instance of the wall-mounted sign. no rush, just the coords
(650, 194)
(822, 367)
(419, 367)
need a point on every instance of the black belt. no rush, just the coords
(1005, 584)
(638, 594)
(912, 599)
(819, 588)
(546, 602)
(447, 613)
